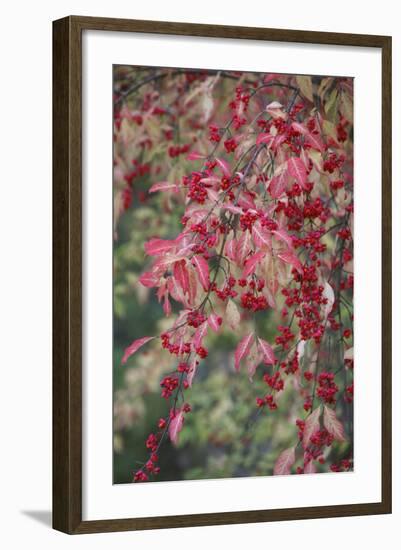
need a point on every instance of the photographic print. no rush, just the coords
(233, 274)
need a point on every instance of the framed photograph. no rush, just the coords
(222, 275)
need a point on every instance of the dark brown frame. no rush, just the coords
(67, 274)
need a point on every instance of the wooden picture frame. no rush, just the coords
(67, 274)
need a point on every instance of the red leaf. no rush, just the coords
(231, 208)
(202, 268)
(213, 195)
(132, 348)
(230, 249)
(283, 236)
(311, 425)
(243, 247)
(290, 258)
(260, 235)
(315, 142)
(245, 200)
(192, 370)
(224, 166)
(278, 184)
(163, 186)
(193, 284)
(297, 170)
(148, 279)
(332, 424)
(300, 128)
(268, 353)
(180, 273)
(200, 334)
(214, 322)
(166, 306)
(285, 461)
(252, 262)
(195, 156)
(264, 138)
(175, 426)
(242, 349)
(156, 247)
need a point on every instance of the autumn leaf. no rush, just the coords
(328, 294)
(163, 186)
(305, 85)
(214, 322)
(175, 426)
(202, 268)
(232, 315)
(311, 425)
(260, 235)
(156, 247)
(284, 463)
(242, 349)
(332, 424)
(290, 258)
(200, 333)
(278, 184)
(267, 351)
(251, 263)
(134, 347)
(296, 169)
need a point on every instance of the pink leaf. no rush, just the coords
(243, 247)
(310, 468)
(278, 184)
(224, 167)
(260, 235)
(180, 273)
(175, 426)
(285, 461)
(315, 142)
(192, 370)
(132, 348)
(232, 316)
(175, 289)
(251, 263)
(283, 236)
(332, 424)
(214, 322)
(242, 349)
(163, 186)
(290, 258)
(311, 425)
(230, 249)
(148, 279)
(166, 306)
(268, 353)
(199, 335)
(264, 138)
(231, 208)
(213, 195)
(156, 247)
(245, 200)
(275, 110)
(202, 268)
(195, 156)
(297, 170)
(301, 128)
(193, 284)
